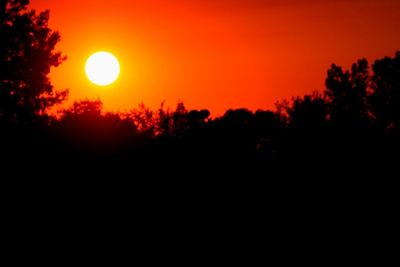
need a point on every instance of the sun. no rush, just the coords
(102, 68)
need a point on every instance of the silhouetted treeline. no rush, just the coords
(354, 122)
(287, 176)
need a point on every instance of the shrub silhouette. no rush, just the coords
(309, 112)
(87, 129)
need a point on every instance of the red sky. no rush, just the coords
(217, 54)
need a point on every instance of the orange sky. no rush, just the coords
(217, 54)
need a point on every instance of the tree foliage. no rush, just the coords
(385, 97)
(27, 53)
(347, 92)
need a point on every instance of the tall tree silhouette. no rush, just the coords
(26, 57)
(347, 92)
(385, 96)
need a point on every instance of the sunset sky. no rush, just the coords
(216, 54)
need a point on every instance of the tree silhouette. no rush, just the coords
(26, 57)
(179, 121)
(385, 96)
(347, 92)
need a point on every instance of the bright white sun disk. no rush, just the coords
(102, 68)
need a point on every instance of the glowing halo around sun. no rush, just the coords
(102, 68)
